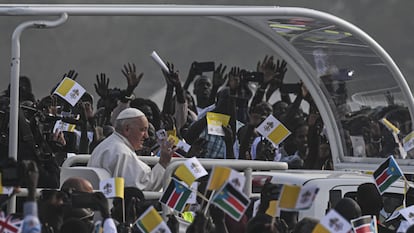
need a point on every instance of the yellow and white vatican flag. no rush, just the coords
(273, 130)
(408, 142)
(215, 121)
(190, 171)
(64, 127)
(152, 222)
(221, 175)
(70, 90)
(112, 187)
(295, 197)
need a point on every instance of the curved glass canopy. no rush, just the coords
(355, 84)
(358, 89)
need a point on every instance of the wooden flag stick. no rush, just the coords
(209, 202)
(123, 210)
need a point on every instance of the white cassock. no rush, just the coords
(116, 155)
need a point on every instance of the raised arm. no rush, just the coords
(133, 79)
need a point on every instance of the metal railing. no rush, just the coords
(246, 166)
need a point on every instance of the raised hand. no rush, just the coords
(192, 73)
(166, 151)
(172, 78)
(31, 177)
(130, 73)
(218, 76)
(102, 85)
(276, 80)
(280, 70)
(267, 67)
(234, 72)
(59, 137)
(53, 109)
(72, 74)
(168, 121)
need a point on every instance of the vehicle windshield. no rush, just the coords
(362, 91)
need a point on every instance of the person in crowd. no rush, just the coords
(305, 225)
(116, 154)
(371, 203)
(348, 208)
(238, 81)
(298, 150)
(31, 222)
(181, 106)
(252, 145)
(216, 146)
(150, 109)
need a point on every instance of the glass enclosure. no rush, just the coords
(361, 95)
(361, 89)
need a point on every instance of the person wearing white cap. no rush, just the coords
(116, 154)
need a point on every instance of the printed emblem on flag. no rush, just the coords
(112, 187)
(408, 214)
(151, 222)
(333, 222)
(176, 195)
(297, 197)
(386, 174)
(70, 90)
(215, 121)
(220, 175)
(365, 224)
(10, 224)
(231, 201)
(190, 171)
(273, 130)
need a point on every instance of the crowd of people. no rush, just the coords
(124, 124)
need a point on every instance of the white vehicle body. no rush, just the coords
(344, 182)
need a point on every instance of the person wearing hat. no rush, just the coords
(116, 154)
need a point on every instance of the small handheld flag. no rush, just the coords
(190, 171)
(112, 187)
(390, 126)
(176, 195)
(296, 197)
(70, 90)
(365, 224)
(64, 127)
(220, 175)
(215, 121)
(231, 201)
(273, 130)
(386, 174)
(408, 142)
(151, 222)
(10, 224)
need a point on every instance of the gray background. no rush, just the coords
(92, 45)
